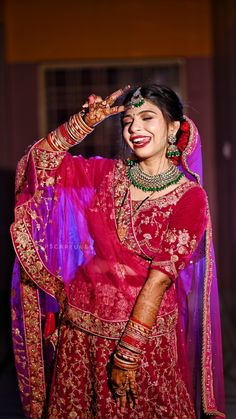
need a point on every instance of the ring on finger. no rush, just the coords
(120, 392)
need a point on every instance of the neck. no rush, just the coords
(154, 166)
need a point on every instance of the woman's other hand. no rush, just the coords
(124, 387)
(97, 109)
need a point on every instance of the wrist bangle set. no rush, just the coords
(69, 134)
(131, 345)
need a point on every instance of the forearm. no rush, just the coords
(132, 343)
(149, 300)
(66, 135)
(94, 111)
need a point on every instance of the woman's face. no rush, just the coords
(145, 131)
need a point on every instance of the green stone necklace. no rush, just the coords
(152, 183)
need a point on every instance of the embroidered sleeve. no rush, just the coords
(47, 160)
(184, 233)
(42, 169)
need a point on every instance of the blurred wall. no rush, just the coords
(224, 17)
(53, 30)
(58, 30)
(35, 32)
(225, 113)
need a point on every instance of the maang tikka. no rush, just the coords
(172, 149)
(137, 99)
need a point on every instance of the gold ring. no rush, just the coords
(120, 392)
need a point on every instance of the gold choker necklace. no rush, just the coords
(152, 183)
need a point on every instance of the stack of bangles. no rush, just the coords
(69, 134)
(131, 346)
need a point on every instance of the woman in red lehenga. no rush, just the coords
(115, 307)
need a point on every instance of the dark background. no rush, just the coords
(200, 35)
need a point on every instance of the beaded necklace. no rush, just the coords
(152, 183)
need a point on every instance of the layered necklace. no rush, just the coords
(152, 183)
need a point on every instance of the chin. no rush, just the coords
(143, 156)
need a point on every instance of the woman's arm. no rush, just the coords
(185, 230)
(131, 345)
(95, 110)
(150, 297)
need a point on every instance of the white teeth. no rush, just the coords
(139, 140)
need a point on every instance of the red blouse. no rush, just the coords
(165, 230)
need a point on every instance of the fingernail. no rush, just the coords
(91, 98)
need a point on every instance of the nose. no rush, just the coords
(134, 126)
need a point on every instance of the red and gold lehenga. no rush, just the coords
(84, 250)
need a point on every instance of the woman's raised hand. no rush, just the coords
(97, 109)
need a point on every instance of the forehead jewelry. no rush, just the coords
(137, 99)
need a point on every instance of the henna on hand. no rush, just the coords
(96, 109)
(132, 343)
(149, 300)
(125, 388)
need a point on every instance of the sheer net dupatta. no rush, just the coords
(199, 321)
(35, 291)
(68, 257)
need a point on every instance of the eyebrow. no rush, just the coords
(145, 111)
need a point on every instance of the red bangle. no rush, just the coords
(139, 322)
(65, 134)
(51, 143)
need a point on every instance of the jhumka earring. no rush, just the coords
(172, 149)
(137, 99)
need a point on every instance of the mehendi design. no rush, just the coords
(158, 370)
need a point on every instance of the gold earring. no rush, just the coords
(172, 149)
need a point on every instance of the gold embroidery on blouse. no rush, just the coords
(47, 160)
(129, 227)
(167, 265)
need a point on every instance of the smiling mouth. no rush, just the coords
(140, 141)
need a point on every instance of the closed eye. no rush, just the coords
(126, 123)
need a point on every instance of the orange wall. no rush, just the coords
(41, 30)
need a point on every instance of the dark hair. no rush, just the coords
(163, 97)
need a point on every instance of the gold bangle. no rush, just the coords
(77, 128)
(75, 134)
(56, 144)
(125, 365)
(59, 142)
(62, 140)
(83, 123)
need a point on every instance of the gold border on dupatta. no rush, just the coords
(33, 338)
(208, 399)
(35, 276)
(192, 142)
(31, 261)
